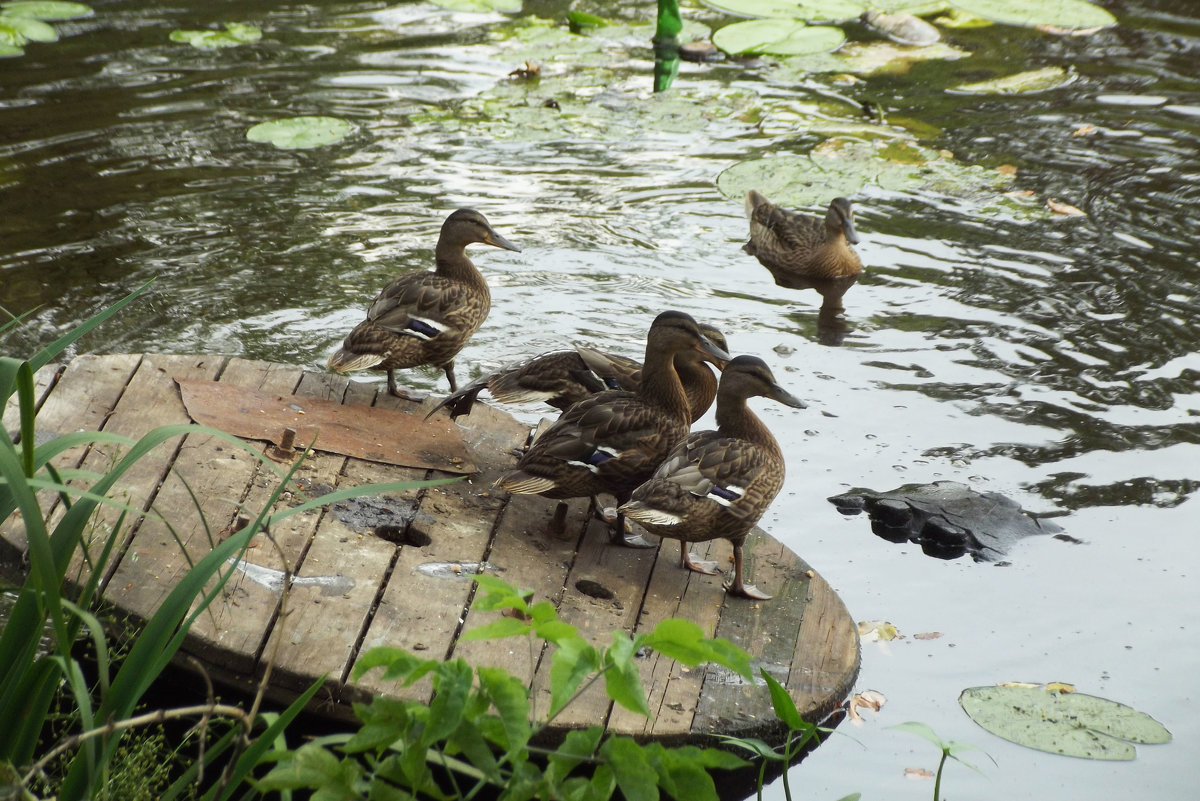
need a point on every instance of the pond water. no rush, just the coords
(1050, 358)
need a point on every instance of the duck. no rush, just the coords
(563, 378)
(612, 441)
(426, 317)
(717, 484)
(802, 251)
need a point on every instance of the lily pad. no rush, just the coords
(810, 10)
(235, 33)
(867, 58)
(479, 6)
(295, 133)
(1058, 13)
(46, 10)
(8, 49)
(1020, 83)
(845, 166)
(1069, 723)
(777, 37)
(16, 30)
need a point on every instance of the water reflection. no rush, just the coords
(1055, 357)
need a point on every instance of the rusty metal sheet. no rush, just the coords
(363, 432)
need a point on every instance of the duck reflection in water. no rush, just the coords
(803, 252)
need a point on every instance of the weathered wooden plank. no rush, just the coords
(232, 631)
(826, 659)
(600, 570)
(767, 630)
(673, 690)
(191, 502)
(81, 400)
(529, 555)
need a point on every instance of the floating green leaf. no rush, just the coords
(845, 166)
(46, 10)
(479, 6)
(1073, 724)
(582, 21)
(1057, 13)
(8, 48)
(17, 30)
(778, 37)
(811, 10)
(1022, 82)
(235, 33)
(296, 133)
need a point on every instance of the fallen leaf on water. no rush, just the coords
(1065, 209)
(1084, 130)
(1025, 684)
(870, 699)
(1007, 169)
(875, 630)
(1019, 193)
(927, 635)
(1058, 30)
(917, 773)
(1059, 687)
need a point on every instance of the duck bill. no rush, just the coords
(718, 356)
(496, 240)
(781, 395)
(848, 230)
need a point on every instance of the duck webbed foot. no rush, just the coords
(738, 586)
(403, 394)
(705, 566)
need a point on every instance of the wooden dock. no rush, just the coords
(395, 570)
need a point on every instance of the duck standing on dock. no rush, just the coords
(802, 251)
(719, 483)
(563, 378)
(426, 317)
(613, 441)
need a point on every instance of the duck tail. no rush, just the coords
(345, 361)
(459, 403)
(518, 482)
(754, 199)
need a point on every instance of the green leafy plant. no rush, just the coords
(950, 750)
(480, 732)
(297, 133)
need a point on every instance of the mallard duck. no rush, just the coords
(613, 441)
(798, 249)
(718, 483)
(563, 378)
(426, 317)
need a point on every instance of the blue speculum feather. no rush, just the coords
(724, 494)
(423, 328)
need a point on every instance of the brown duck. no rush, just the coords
(613, 441)
(563, 378)
(800, 250)
(426, 317)
(719, 483)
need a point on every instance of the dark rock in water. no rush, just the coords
(946, 518)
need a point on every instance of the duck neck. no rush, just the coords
(661, 386)
(734, 419)
(452, 262)
(699, 384)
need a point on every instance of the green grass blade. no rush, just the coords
(52, 351)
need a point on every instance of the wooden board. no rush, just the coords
(365, 432)
(394, 569)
